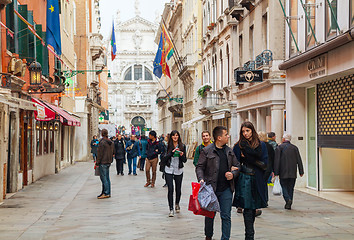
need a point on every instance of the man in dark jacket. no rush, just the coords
(152, 152)
(104, 159)
(133, 151)
(94, 146)
(119, 154)
(214, 168)
(287, 159)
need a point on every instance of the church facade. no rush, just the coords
(132, 87)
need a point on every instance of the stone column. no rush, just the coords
(261, 121)
(277, 112)
(234, 124)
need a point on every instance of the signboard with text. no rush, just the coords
(248, 76)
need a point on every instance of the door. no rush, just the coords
(311, 139)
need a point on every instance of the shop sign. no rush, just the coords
(146, 129)
(40, 112)
(317, 66)
(248, 76)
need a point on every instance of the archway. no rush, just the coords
(138, 124)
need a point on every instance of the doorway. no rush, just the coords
(312, 167)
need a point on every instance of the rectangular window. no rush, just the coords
(38, 138)
(293, 13)
(251, 43)
(265, 31)
(331, 19)
(310, 7)
(138, 72)
(240, 44)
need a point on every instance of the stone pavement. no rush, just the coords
(64, 206)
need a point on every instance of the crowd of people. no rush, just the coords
(238, 175)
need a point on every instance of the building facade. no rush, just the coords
(320, 90)
(132, 86)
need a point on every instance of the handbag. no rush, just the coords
(277, 187)
(194, 205)
(97, 170)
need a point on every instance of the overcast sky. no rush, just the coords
(108, 9)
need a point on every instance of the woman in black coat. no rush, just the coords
(173, 161)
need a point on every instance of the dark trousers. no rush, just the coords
(249, 216)
(178, 185)
(104, 176)
(287, 185)
(119, 165)
(142, 163)
(225, 201)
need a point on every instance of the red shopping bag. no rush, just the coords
(194, 205)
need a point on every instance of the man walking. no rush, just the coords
(152, 151)
(206, 141)
(133, 151)
(271, 140)
(119, 154)
(104, 159)
(287, 159)
(214, 168)
(143, 146)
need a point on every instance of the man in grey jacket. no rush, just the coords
(218, 166)
(287, 159)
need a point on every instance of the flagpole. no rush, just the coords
(174, 45)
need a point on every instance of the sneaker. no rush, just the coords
(171, 214)
(100, 195)
(258, 212)
(129, 173)
(146, 184)
(165, 185)
(152, 185)
(177, 208)
(103, 196)
(135, 174)
(288, 205)
(122, 174)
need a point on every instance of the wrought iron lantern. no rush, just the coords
(35, 70)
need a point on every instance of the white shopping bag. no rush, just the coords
(277, 187)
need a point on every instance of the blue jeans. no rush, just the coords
(130, 161)
(104, 175)
(287, 185)
(225, 201)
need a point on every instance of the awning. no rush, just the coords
(64, 117)
(188, 124)
(219, 114)
(43, 113)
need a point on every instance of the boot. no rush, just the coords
(248, 217)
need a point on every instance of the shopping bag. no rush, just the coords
(208, 199)
(97, 170)
(194, 205)
(277, 187)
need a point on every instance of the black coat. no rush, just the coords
(119, 149)
(166, 158)
(287, 159)
(153, 149)
(94, 146)
(270, 165)
(208, 165)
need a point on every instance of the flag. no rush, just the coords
(113, 43)
(160, 64)
(53, 25)
(168, 46)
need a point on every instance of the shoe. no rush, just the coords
(141, 169)
(135, 174)
(239, 210)
(103, 196)
(171, 214)
(129, 173)
(122, 174)
(152, 185)
(177, 208)
(146, 184)
(288, 204)
(165, 185)
(100, 195)
(258, 212)
(208, 238)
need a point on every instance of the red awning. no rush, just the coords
(43, 113)
(65, 118)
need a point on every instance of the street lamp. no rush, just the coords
(35, 70)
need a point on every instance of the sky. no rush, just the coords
(108, 8)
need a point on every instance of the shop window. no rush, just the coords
(38, 138)
(331, 19)
(310, 7)
(138, 72)
(45, 138)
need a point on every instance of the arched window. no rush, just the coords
(138, 72)
(128, 74)
(148, 75)
(228, 64)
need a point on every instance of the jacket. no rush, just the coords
(273, 144)
(133, 149)
(166, 158)
(208, 166)
(153, 149)
(197, 153)
(94, 146)
(105, 151)
(143, 144)
(119, 147)
(270, 165)
(287, 159)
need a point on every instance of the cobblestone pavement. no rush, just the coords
(64, 206)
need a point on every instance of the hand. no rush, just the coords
(156, 150)
(242, 155)
(233, 168)
(181, 153)
(229, 175)
(139, 157)
(201, 181)
(174, 150)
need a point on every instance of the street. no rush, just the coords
(64, 206)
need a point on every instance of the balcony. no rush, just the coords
(209, 102)
(96, 47)
(249, 4)
(188, 63)
(237, 12)
(175, 106)
(161, 97)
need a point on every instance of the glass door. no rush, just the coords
(311, 139)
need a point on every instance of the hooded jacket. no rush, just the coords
(105, 151)
(153, 149)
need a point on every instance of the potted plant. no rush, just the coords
(202, 91)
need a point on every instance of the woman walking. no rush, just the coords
(251, 188)
(173, 159)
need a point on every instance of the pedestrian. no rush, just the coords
(133, 151)
(94, 146)
(119, 146)
(271, 140)
(206, 141)
(287, 160)
(251, 188)
(214, 168)
(152, 151)
(268, 175)
(105, 153)
(163, 147)
(143, 145)
(173, 159)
